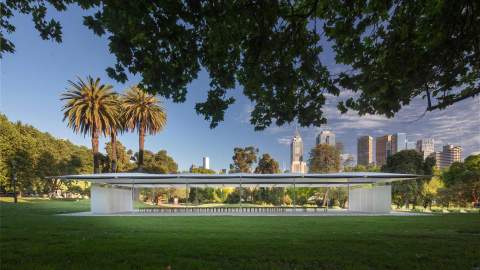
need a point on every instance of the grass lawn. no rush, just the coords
(33, 237)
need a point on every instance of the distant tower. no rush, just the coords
(297, 164)
(206, 162)
(365, 150)
(449, 155)
(399, 142)
(426, 147)
(383, 149)
(326, 137)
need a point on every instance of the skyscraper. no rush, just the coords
(383, 149)
(448, 155)
(365, 150)
(326, 137)
(297, 165)
(206, 162)
(399, 142)
(426, 147)
(388, 145)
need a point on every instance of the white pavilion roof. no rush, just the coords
(235, 179)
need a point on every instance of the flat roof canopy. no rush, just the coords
(235, 179)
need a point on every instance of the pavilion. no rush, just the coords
(368, 192)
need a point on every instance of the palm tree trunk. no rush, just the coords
(96, 158)
(113, 144)
(141, 143)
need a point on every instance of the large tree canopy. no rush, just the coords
(391, 51)
(267, 164)
(243, 159)
(324, 158)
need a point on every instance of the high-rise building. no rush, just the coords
(388, 145)
(365, 150)
(297, 165)
(399, 142)
(383, 149)
(206, 162)
(426, 147)
(411, 145)
(449, 155)
(326, 137)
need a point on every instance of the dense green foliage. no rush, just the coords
(463, 181)
(123, 157)
(199, 195)
(243, 159)
(457, 185)
(37, 155)
(32, 237)
(201, 170)
(159, 162)
(324, 158)
(362, 168)
(411, 162)
(387, 52)
(267, 164)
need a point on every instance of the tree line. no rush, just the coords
(34, 155)
(323, 158)
(458, 185)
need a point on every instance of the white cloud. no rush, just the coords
(284, 140)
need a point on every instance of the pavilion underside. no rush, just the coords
(114, 192)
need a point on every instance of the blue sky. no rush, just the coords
(33, 78)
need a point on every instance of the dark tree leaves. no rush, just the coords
(392, 51)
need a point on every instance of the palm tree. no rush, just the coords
(143, 112)
(90, 109)
(116, 127)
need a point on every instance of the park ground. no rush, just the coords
(32, 236)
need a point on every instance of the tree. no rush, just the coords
(123, 156)
(144, 113)
(274, 195)
(201, 170)
(243, 159)
(465, 179)
(397, 51)
(198, 195)
(430, 190)
(392, 51)
(116, 127)
(159, 162)
(410, 162)
(37, 155)
(267, 165)
(90, 109)
(324, 158)
(362, 168)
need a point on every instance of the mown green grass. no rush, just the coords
(33, 237)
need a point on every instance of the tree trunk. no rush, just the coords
(141, 143)
(113, 144)
(325, 198)
(96, 157)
